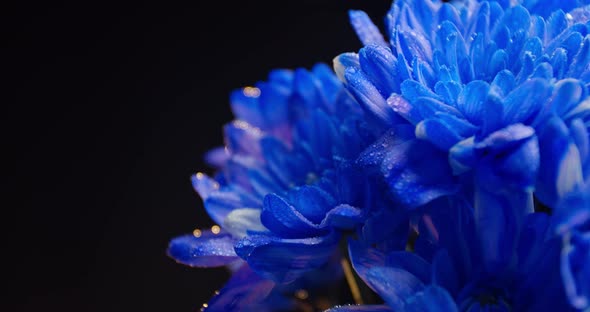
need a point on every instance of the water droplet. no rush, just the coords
(251, 92)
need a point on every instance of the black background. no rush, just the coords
(110, 110)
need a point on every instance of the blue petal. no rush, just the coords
(579, 134)
(313, 203)
(517, 19)
(344, 61)
(472, 99)
(568, 93)
(412, 90)
(431, 299)
(438, 133)
(445, 130)
(329, 85)
(573, 211)
(370, 98)
(319, 132)
(559, 63)
(560, 160)
(364, 257)
(367, 32)
(543, 70)
(204, 185)
(403, 107)
(282, 163)
(413, 45)
(284, 220)
(217, 157)
(448, 91)
(581, 60)
(281, 78)
(462, 156)
(502, 84)
(410, 262)
(240, 221)
(524, 102)
(219, 204)
(509, 158)
(379, 65)
(429, 108)
(575, 270)
(390, 154)
(307, 89)
(343, 217)
(207, 250)
(417, 173)
(498, 218)
(284, 260)
(245, 106)
(274, 104)
(393, 285)
(242, 138)
(245, 291)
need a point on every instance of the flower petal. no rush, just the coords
(240, 221)
(393, 285)
(207, 250)
(524, 102)
(343, 217)
(284, 260)
(417, 173)
(560, 160)
(313, 202)
(370, 98)
(431, 299)
(283, 219)
(410, 262)
(245, 291)
(379, 65)
(367, 32)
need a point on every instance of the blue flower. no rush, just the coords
(287, 183)
(495, 98)
(444, 272)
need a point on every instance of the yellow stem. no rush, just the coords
(354, 287)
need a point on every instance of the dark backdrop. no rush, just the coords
(112, 108)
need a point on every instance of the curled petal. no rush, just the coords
(285, 220)
(343, 217)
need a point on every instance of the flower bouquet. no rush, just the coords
(442, 167)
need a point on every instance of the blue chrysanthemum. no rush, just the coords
(287, 182)
(496, 100)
